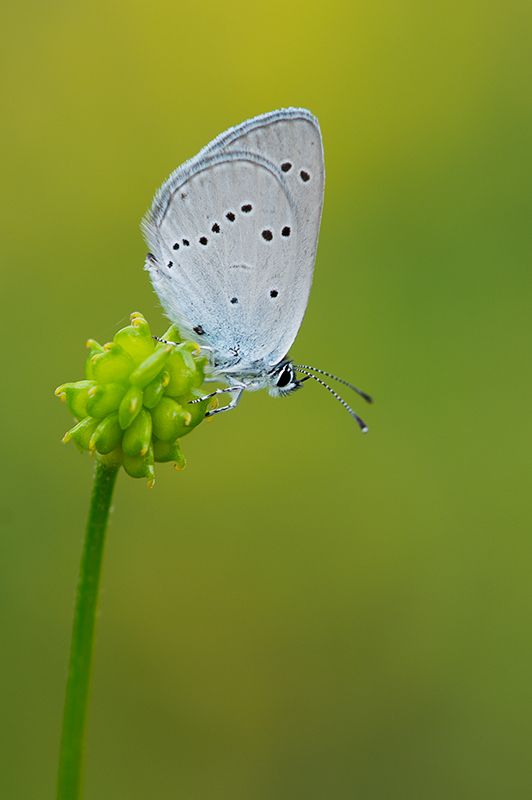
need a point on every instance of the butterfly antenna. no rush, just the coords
(360, 422)
(366, 396)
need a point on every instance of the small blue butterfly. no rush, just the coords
(233, 235)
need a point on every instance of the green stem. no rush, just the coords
(77, 688)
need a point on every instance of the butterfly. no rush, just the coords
(232, 237)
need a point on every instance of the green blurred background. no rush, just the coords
(305, 612)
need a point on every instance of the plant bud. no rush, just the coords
(137, 437)
(168, 451)
(130, 406)
(182, 370)
(81, 433)
(134, 404)
(111, 366)
(107, 436)
(104, 398)
(136, 342)
(150, 367)
(76, 395)
(155, 390)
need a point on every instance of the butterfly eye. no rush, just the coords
(285, 377)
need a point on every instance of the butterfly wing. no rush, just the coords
(233, 236)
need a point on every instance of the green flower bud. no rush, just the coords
(170, 419)
(75, 395)
(182, 370)
(107, 435)
(134, 404)
(155, 390)
(104, 398)
(168, 451)
(94, 348)
(114, 364)
(201, 364)
(137, 437)
(197, 412)
(136, 339)
(82, 432)
(140, 466)
(150, 367)
(130, 406)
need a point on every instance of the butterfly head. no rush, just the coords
(282, 379)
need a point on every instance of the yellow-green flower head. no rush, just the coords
(133, 406)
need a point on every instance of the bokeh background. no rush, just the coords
(305, 612)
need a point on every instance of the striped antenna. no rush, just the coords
(361, 424)
(366, 396)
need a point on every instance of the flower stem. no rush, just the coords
(77, 688)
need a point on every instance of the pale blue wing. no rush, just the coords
(233, 235)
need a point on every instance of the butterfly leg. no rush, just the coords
(164, 341)
(208, 350)
(233, 404)
(228, 389)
